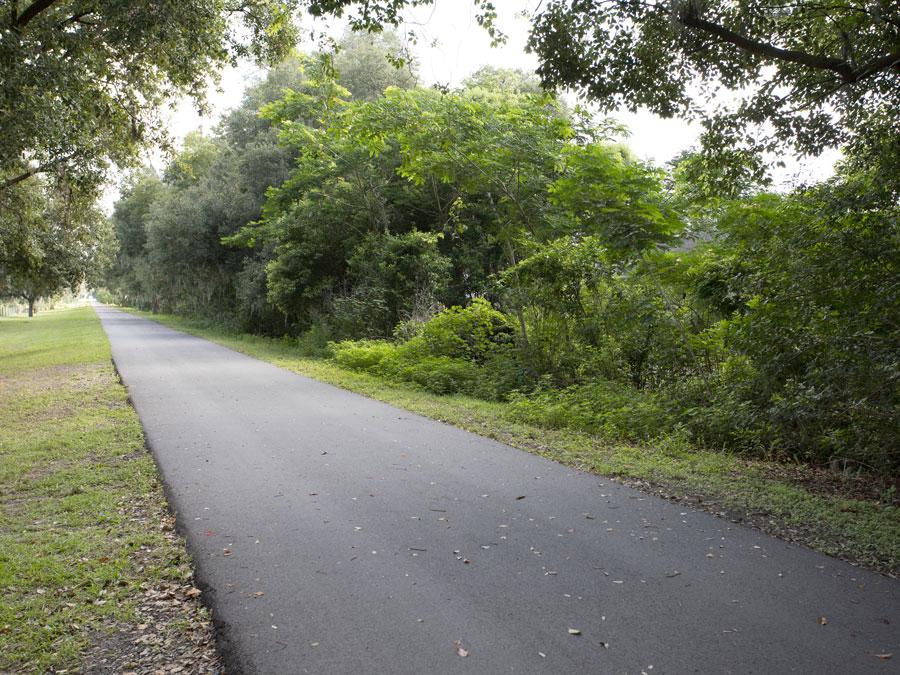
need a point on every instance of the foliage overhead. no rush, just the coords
(82, 82)
(809, 75)
(804, 74)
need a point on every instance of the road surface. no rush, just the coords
(336, 534)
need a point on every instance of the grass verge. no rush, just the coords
(92, 576)
(834, 513)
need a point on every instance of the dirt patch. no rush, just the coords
(171, 631)
(173, 635)
(54, 378)
(41, 471)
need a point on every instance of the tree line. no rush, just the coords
(494, 242)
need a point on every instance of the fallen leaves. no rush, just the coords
(150, 644)
(460, 650)
(823, 621)
(574, 631)
(885, 656)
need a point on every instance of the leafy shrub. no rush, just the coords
(609, 409)
(314, 341)
(819, 273)
(365, 355)
(437, 374)
(409, 362)
(469, 332)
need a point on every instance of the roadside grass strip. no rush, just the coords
(838, 514)
(92, 576)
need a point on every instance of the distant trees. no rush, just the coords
(52, 240)
(217, 185)
(367, 64)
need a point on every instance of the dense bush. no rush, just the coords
(365, 355)
(819, 322)
(600, 407)
(473, 332)
(449, 354)
(410, 362)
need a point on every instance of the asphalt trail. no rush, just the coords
(337, 534)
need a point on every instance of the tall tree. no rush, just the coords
(57, 244)
(369, 63)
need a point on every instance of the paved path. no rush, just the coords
(336, 534)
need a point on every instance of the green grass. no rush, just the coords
(795, 502)
(83, 523)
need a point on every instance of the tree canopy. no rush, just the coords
(803, 75)
(52, 239)
(82, 82)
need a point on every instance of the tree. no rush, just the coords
(606, 192)
(81, 83)
(126, 272)
(815, 75)
(58, 246)
(473, 166)
(367, 64)
(512, 80)
(804, 74)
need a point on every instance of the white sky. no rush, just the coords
(451, 45)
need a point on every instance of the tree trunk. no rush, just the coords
(518, 300)
(30, 307)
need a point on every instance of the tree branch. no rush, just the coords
(32, 11)
(842, 68)
(885, 62)
(9, 182)
(77, 18)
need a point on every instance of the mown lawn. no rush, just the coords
(86, 543)
(836, 514)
